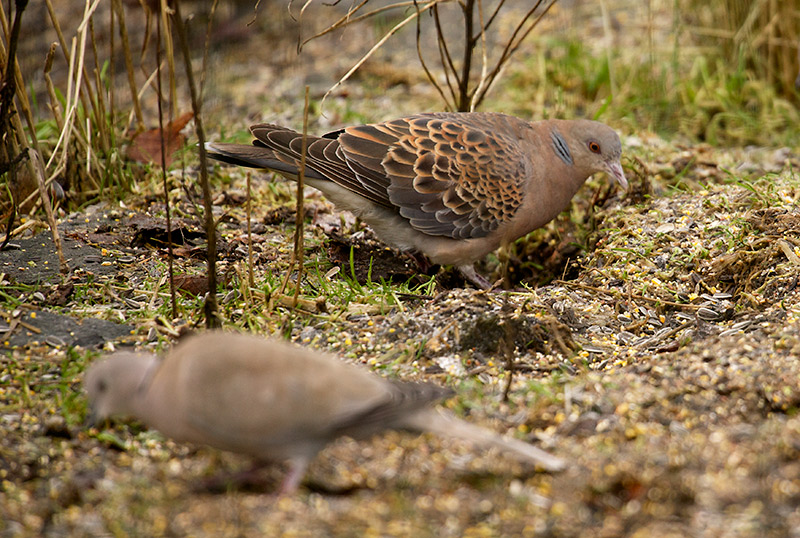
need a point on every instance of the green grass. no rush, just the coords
(703, 97)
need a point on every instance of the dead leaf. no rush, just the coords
(192, 284)
(146, 147)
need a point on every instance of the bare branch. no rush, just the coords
(428, 73)
(375, 47)
(466, 63)
(493, 16)
(513, 44)
(447, 61)
(482, 82)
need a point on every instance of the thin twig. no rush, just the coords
(511, 47)
(482, 82)
(342, 22)
(428, 73)
(126, 48)
(492, 17)
(300, 220)
(444, 56)
(170, 54)
(210, 305)
(162, 143)
(99, 108)
(374, 48)
(508, 345)
(51, 92)
(250, 279)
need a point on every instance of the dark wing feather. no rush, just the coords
(453, 175)
(324, 156)
(403, 399)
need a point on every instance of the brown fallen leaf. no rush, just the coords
(192, 284)
(146, 146)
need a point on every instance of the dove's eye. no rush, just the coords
(594, 147)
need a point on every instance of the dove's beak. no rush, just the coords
(91, 418)
(614, 169)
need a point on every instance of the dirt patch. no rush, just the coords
(43, 327)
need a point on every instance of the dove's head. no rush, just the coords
(113, 384)
(591, 147)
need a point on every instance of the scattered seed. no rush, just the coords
(230, 296)
(54, 341)
(707, 314)
(730, 332)
(626, 337)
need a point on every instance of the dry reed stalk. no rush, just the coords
(48, 208)
(90, 98)
(55, 107)
(18, 143)
(77, 90)
(99, 108)
(85, 99)
(300, 220)
(210, 305)
(766, 32)
(297, 253)
(126, 48)
(250, 279)
(169, 48)
(162, 142)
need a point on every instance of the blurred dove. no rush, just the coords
(453, 186)
(272, 400)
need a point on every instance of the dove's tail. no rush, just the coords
(445, 423)
(247, 155)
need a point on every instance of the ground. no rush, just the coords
(650, 338)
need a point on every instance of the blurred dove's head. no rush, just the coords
(112, 384)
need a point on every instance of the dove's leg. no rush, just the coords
(469, 272)
(297, 469)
